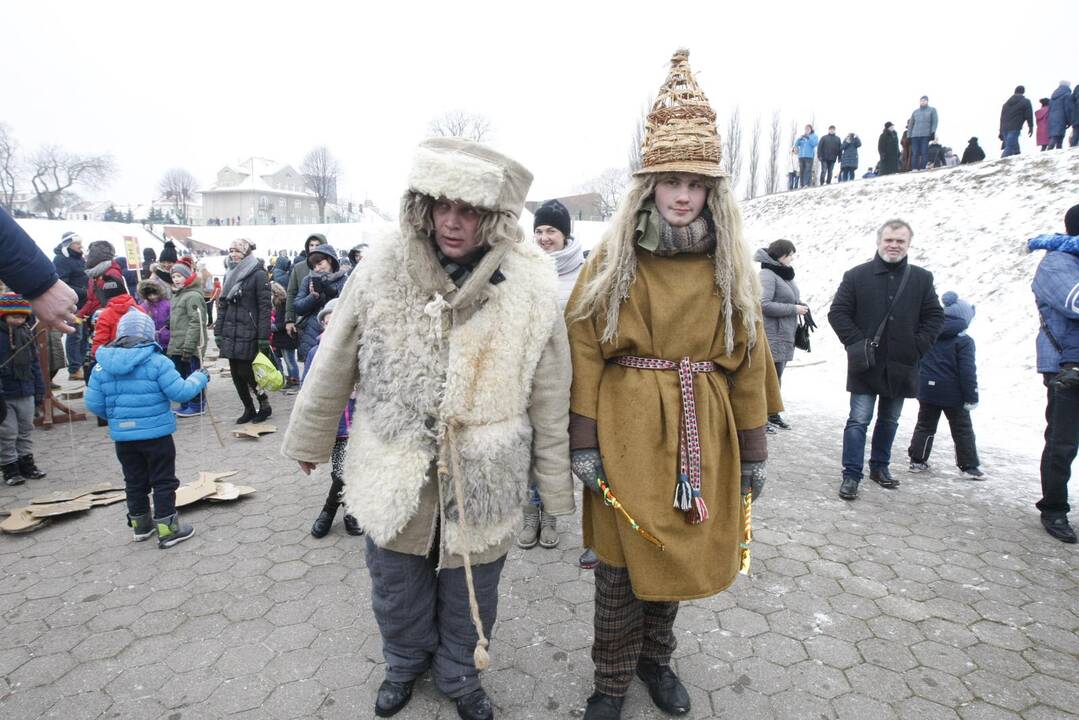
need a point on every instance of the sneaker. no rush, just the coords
(12, 476)
(529, 535)
(180, 409)
(170, 531)
(917, 467)
(548, 534)
(28, 469)
(779, 422)
(588, 560)
(973, 473)
(192, 409)
(771, 429)
(142, 527)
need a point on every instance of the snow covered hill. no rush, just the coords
(970, 227)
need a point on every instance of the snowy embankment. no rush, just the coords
(970, 225)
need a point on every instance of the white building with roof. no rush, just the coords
(257, 191)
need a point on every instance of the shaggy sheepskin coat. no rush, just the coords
(483, 368)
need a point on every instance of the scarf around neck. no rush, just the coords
(99, 269)
(234, 278)
(569, 258)
(663, 239)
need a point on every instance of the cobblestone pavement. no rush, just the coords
(942, 599)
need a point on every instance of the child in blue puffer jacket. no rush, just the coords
(948, 384)
(131, 386)
(337, 476)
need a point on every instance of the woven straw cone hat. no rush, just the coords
(680, 134)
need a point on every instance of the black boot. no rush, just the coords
(248, 416)
(667, 691)
(28, 469)
(392, 697)
(475, 706)
(883, 477)
(323, 523)
(264, 408)
(351, 526)
(603, 707)
(11, 474)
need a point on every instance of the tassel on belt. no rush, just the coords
(687, 492)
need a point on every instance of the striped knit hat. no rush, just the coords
(14, 304)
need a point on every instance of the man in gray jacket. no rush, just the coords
(921, 128)
(453, 343)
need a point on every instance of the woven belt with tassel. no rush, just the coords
(687, 492)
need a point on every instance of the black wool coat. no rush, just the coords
(859, 306)
(245, 321)
(888, 147)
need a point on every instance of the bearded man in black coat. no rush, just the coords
(888, 290)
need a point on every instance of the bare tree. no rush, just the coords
(7, 168)
(320, 169)
(635, 155)
(178, 185)
(458, 123)
(732, 152)
(754, 159)
(771, 175)
(56, 170)
(609, 185)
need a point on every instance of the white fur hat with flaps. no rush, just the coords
(463, 170)
(680, 132)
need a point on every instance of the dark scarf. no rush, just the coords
(664, 240)
(783, 271)
(460, 270)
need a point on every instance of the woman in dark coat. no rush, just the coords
(242, 329)
(888, 147)
(323, 283)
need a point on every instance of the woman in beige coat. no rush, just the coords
(451, 335)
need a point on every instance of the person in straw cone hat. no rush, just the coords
(450, 332)
(673, 383)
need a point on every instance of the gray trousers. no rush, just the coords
(16, 429)
(424, 619)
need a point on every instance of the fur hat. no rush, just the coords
(99, 251)
(14, 304)
(327, 309)
(680, 133)
(458, 169)
(168, 254)
(137, 324)
(555, 214)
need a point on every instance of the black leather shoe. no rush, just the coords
(1059, 528)
(392, 697)
(667, 691)
(475, 706)
(883, 477)
(321, 527)
(848, 489)
(351, 526)
(603, 707)
(248, 416)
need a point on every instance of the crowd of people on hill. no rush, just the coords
(464, 374)
(920, 149)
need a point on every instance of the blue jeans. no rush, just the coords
(846, 174)
(806, 167)
(75, 346)
(919, 152)
(289, 357)
(861, 412)
(1011, 143)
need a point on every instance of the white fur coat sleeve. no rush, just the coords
(549, 415)
(312, 427)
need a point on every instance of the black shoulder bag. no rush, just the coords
(801, 333)
(862, 355)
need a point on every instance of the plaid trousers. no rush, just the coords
(627, 629)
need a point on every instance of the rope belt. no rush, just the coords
(687, 492)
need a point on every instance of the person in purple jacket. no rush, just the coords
(156, 304)
(324, 521)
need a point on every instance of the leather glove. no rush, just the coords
(1067, 378)
(264, 347)
(969, 407)
(753, 477)
(587, 465)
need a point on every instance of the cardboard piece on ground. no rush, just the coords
(235, 492)
(202, 488)
(21, 521)
(68, 495)
(103, 499)
(60, 508)
(254, 430)
(225, 491)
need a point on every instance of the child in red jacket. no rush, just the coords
(118, 302)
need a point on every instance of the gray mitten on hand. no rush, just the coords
(587, 465)
(753, 477)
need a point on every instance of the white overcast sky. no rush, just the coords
(202, 84)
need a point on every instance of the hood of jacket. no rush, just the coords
(121, 356)
(1062, 91)
(151, 291)
(282, 263)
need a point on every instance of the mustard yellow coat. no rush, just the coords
(673, 311)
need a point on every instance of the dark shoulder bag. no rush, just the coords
(862, 355)
(801, 333)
